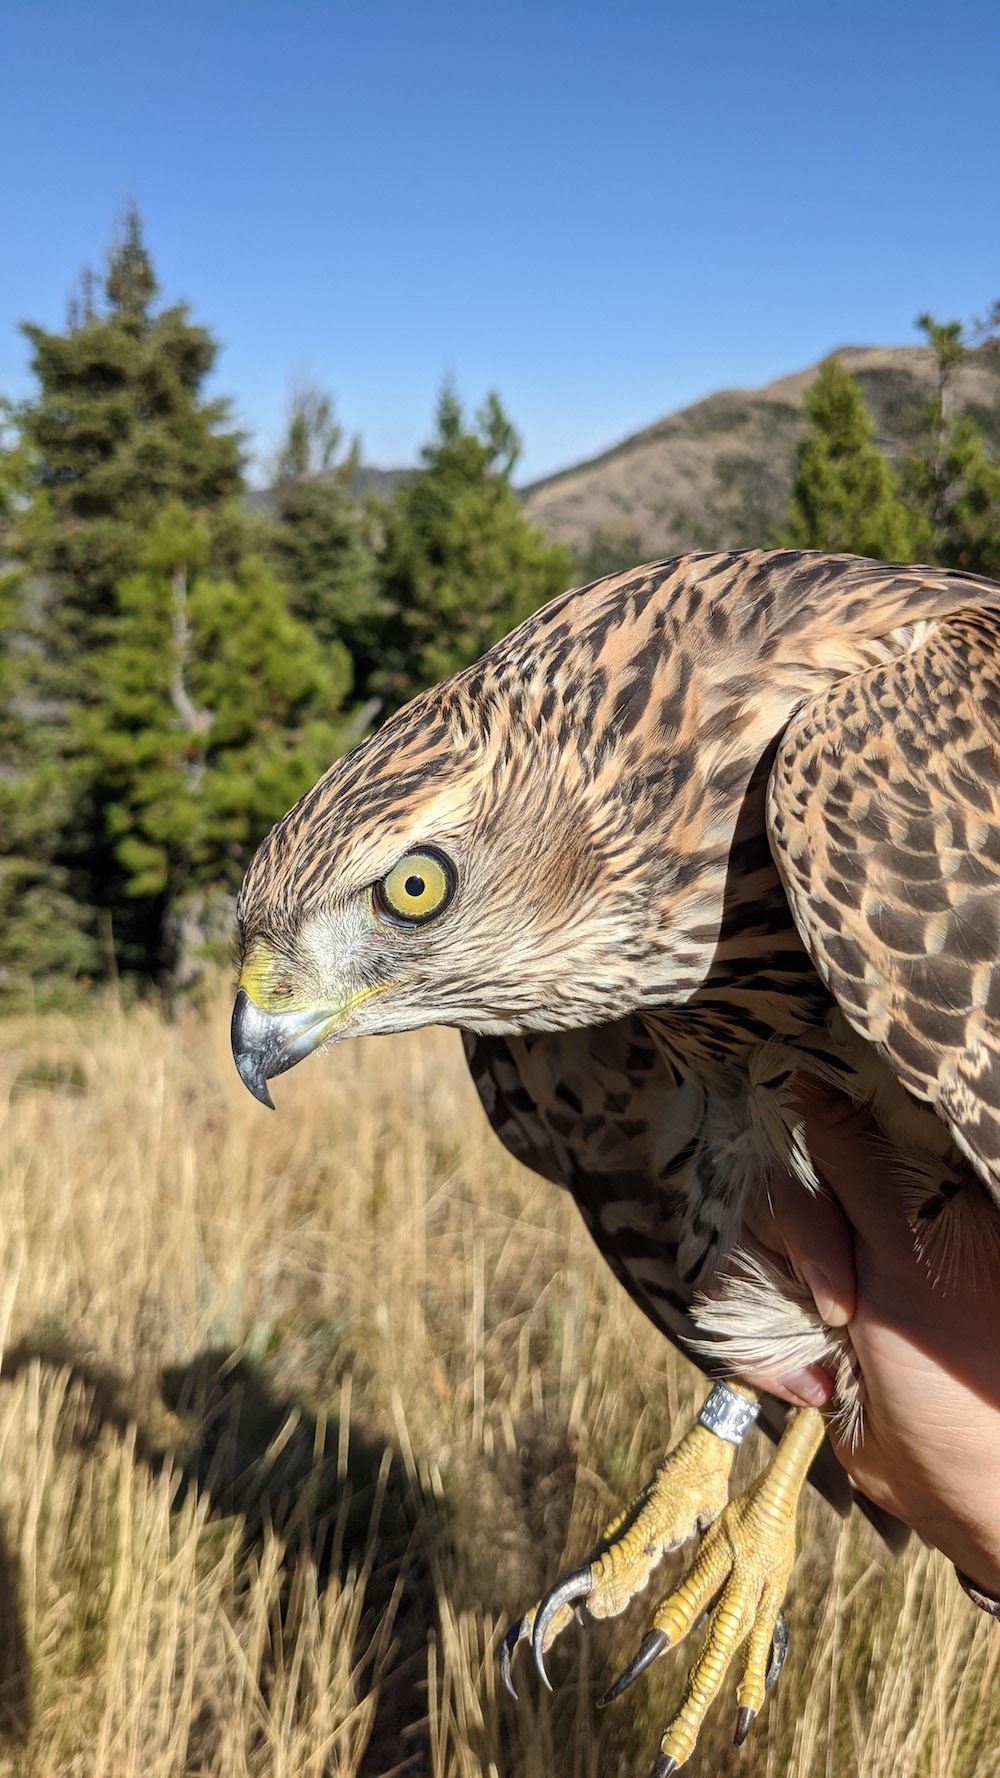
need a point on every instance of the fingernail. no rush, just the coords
(811, 1388)
(833, 1309)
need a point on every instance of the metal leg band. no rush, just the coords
(728, 1414)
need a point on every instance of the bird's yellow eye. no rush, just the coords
(418, 888)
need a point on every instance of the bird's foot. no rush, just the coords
(687, 1493)
(746, 1559)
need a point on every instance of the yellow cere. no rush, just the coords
(269, 985)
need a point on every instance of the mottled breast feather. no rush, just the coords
(575, 1108)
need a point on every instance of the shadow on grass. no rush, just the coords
(15, 1661)
(328, 1492)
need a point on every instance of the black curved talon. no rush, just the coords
(665, 1765)
(779, 1649)
(744, 1723)
(518, 1632)
(652, 1645)
(572, 1586)
(746, 1717)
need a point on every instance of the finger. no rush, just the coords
(854, 1163)
(811, 1230)
(808, 1387)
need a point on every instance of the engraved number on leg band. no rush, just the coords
(728, 1414)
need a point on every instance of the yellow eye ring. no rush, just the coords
(416, 890)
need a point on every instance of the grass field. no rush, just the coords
(298, 1410)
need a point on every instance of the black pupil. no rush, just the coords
(414, 886)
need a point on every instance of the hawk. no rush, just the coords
(688, 834)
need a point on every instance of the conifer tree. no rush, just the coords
(845, 496)
(951, 481)
(319, 545)
(459, 564)
(167, 703)
(42, 937)
(216, 709)
(119, 426)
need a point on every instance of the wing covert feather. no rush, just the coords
(884, 821)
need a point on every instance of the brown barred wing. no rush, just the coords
(884, 819)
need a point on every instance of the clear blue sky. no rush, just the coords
(600, 210)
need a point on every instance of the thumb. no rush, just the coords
(855, 1163)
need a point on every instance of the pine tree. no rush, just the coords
(459, 564)
(161, 705)
(969, 536)
(42, 937)
(119, 426)
(845, 496)
(319, 545)
(216, 709)
(950, 480)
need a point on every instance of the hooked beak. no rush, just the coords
(269, 1043)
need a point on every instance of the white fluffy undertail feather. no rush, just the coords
(761, 1316)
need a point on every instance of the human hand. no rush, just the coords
(928, 1346)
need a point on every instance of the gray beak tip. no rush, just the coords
(256, 1084)
(251, 1057)
(269, 1043)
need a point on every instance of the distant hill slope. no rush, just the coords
(718, 474)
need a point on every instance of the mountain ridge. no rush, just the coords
(718, 472)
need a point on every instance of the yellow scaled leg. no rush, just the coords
(748, 1552)
(688, 1492)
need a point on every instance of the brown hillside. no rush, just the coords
(718, 474)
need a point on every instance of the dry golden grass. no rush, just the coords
(298, 1410)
